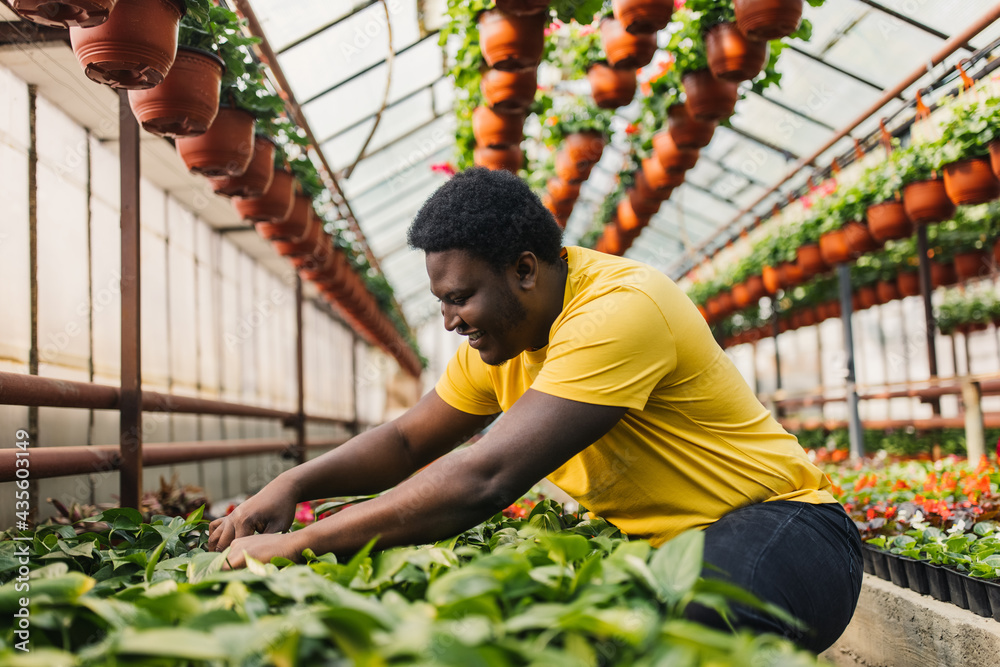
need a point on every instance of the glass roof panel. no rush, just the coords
(341, 151)
(285, 22)
(779, 127)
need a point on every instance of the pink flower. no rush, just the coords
(552, 27)
(587, 30)
(443, 168)
(679, 4)
(304, 513)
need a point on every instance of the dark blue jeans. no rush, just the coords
(802, 557)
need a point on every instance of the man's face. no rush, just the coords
(480, 303)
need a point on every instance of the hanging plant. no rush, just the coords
(65, 13)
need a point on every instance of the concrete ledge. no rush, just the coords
(897, 627)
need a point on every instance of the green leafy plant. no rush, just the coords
(970, 130)
(687, 44)
(568, 115)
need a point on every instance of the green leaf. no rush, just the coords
(182, 643)
(678, 563)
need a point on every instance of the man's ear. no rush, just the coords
(526, 270)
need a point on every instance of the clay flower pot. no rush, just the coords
(571, 171)
(771, 276)
(624, 49)
(859, 238)
(643, 205)
(187, 101)
(584, 147)
(294, 227)
(833, 247)
(888, 221)
(755, 286)
(511, 42)
(560, 190)
(943, 274)
(731, 56)
(764, 20)
(971, 182)
(274, 205)
(687, 131)
(645, 190)
(995, 157)
(810, 260)
(741, 296)
(996, 251)
(641, 17)
(225, 149)
(908, 283)
(610, 87)
(521, 7)
(509, 158)
(672, 157)
(134, 48)
(310, 243)
(509, 92)
(497, 130)
(927, 201)
(867, 297)
(257, 177)
(559, 209)
(791, 274)
(658, 177)
(65, 13)
(613, 242)
(709, 98)
(630, 221)
(971, 264)
(887, 291)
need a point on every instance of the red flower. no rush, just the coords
(891, 512)
(229, 510)
(443, 168)
(632, 129)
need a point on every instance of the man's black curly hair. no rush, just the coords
(492, 214)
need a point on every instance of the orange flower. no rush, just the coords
(632, 129)
(645, 88)
(891, 512)
(900, 485)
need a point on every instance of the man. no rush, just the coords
(611, 385)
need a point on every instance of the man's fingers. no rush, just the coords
(213, 533)
(222, 536)
(234, 560)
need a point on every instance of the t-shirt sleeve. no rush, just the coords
(613, 350)
(466, 384)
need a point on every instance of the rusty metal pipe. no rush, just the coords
(990, 420)
(64, 461)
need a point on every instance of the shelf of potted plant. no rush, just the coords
(968, 174)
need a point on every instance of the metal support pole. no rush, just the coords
(355, 421)
(930, 330)
(853, 418)
(130, 424)
(975, 432)
(300, 420)
(33, 281)
(777, 357)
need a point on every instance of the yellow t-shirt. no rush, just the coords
(695, 442)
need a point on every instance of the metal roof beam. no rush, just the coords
(354, 12)
(783, 152)
(911, 21)
(365, 70)
(835, 68)
(361, 121)
(794, 111)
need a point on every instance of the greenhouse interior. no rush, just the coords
(500, 332)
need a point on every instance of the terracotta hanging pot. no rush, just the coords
(509, 92)
(755, 286)
(630, 221)
(561, 222)
(187, 101)
(272, 206)
(646, 191)
(927, 201)
(971, 264)
(810, 260)
(971, 181)
(570, 170)
(642, 17)
(643, 205)
(584, 147)
(943, 274)
(808, 317)
(996, 251)
(610, 87)
(908, 283)
(509, 158)
(613, 242)
(772, 279)
(497, 130)
(225, 149)
(672, 157)
(134, 48)
(833, 247)
(731, 56)
(522, 7)
(708, 98)
(624, 49)
(994, 147)
(65, 14)
(510, 42)
(295, 226)
(859, 239)
(255, 180)
(659, 178)
(888, 221)
(314, 267)
(867, 297)
(764, 20)
(559, 209)
(301, 249)
(887, 291)
(560, 190)
(741, 296)
(791, 274)
(687, 131)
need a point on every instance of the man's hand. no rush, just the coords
(271, 510)
(264, 548)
